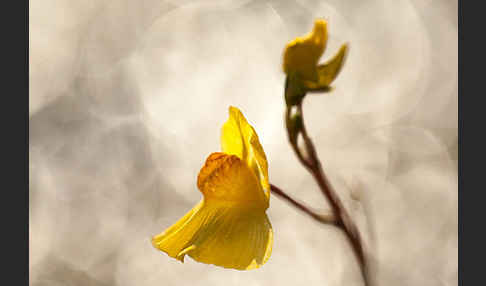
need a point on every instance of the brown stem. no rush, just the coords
(343, 219)
(323, 218)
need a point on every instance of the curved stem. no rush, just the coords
(343, 219)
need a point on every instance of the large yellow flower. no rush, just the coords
(301, 57)
(229, 226)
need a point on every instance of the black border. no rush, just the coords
(471, 204)
(15, 141)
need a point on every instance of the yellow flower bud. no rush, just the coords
(301, 57)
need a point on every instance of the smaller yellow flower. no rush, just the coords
(301, 57)
(229, 226)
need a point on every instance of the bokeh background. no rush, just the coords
(127, 99)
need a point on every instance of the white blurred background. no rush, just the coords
(127, 99)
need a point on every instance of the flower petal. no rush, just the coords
(240, 139)
(176, 237)
(328, 71)
(302, 54)
(220, 233)
(226, 178)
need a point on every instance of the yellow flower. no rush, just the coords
(303, 53)
(229, 226)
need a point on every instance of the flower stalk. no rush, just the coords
(340, 216)
(304, 74)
